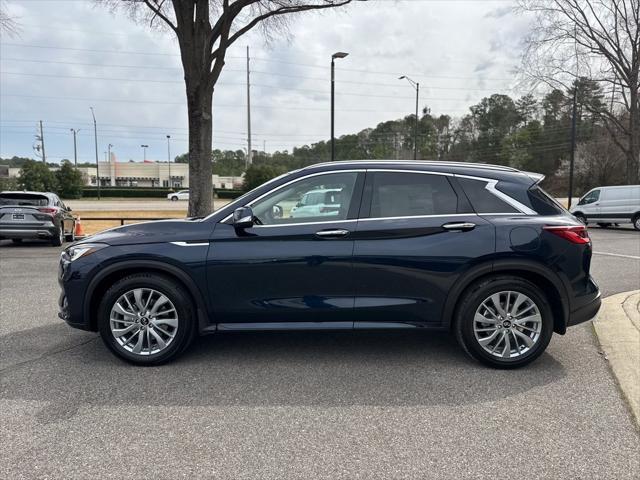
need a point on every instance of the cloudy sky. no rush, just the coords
(72, 54)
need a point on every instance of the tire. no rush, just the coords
(581, 218)
(604, 225)
(16, 240)
(58, 237)
(174, 199)
(636, 221)
(178, 298)
(471, 303)
(72, 236)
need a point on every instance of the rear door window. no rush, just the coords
(407, 194)
(482, 199)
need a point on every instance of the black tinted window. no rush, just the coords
(411, 194)
(26, 199)
(543, 203)
(483, 200)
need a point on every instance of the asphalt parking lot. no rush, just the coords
(303, 405)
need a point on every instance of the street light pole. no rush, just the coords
(169, 159)
(333, 92)
(95, 135)
(75, 147)
(416, 86)
(144, 152)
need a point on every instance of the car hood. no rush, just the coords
(159, 231)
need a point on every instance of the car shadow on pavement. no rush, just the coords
(73, 369)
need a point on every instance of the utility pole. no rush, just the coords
(144, 152)
(416, 86)
(44, 156)
(169, 159)
(333, 101)
(573, 141)
(95, 135)
(249, 153)
(75, 147)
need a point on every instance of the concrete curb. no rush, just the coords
(618, 330)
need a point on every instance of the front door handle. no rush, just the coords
(462, 226)
(333, 233)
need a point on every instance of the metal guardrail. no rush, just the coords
(122, 220)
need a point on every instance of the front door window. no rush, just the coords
(319, 198)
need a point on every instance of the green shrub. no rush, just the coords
(229, 194)
(128, 192)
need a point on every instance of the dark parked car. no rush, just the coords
(35, 215)
(477, 250)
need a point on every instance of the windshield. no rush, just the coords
(23, 199)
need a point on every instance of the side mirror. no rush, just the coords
(243, 217)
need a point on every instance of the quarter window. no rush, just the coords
(482, 200)
(396, 194)
(314, 199)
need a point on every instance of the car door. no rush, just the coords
(287, 269)
(590, 204)
(417, 234)
(62, 213)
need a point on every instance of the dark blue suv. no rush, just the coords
(478, 250)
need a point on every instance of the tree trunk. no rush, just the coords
(199, 107)
(633, 155)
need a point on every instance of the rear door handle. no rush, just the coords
(462, 226)
(333, 233)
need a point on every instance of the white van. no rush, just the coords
(607, 205)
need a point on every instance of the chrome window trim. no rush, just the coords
(409, 217)
(491, 186)
(322, 222)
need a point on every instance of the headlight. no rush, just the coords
(83, 249)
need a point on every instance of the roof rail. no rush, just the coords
(422, 162)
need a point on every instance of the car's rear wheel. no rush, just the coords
(174, 199)
(146, 319)
(636, 222)
(58, 236)
(72, 236)
(504, 322)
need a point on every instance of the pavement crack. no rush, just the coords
(45, 355)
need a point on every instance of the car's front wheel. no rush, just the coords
(174, 199)
(504, 322)
(146, 319)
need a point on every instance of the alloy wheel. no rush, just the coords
(507, 324)
(143, 321)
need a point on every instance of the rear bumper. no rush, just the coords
(45, 231)
(586, 312)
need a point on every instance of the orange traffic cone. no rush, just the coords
(79, 229)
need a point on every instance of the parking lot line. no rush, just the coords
(617, 255)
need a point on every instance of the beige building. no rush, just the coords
(142, 174)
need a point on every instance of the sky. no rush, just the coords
(73, 54)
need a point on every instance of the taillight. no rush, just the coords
(575, 234)
(50, 210)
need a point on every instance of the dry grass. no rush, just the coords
(94, 226)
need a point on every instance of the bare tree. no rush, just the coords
(205, 30)
(8, 24)
(598, 39)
